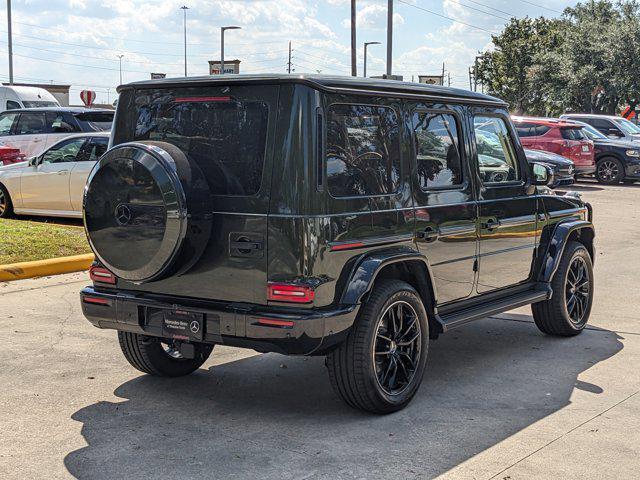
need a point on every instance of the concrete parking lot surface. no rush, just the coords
(499, 400)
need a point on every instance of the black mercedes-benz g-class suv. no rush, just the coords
(344, 217)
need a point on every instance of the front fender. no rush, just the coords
(558, 241)
(367, 268)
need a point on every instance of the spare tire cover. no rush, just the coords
(147, 211)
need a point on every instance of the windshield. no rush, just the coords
(626, 126)
(592, 133)
(95, 121)
(39, 103)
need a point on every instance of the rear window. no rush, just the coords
(363, 150)
(531, 129)
(224, 135)
(95, 121)
(572, 134)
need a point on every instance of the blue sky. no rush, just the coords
(77, 41)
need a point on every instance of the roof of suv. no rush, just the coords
(590, 115)
(332, 84)
(65, 109)
(549, 122)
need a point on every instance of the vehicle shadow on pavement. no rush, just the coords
(271, 416)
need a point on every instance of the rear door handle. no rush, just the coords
(63, 172)
(429, 234)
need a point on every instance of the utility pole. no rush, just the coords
(222, 30)
(449, 82)
(389, 35)
(354, 68)
(10, 42)
(470, 80)
(366, 44)
(184, 8)
(289, 62)
(120, 58)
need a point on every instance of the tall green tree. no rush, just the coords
(587, 61)
(505, 71)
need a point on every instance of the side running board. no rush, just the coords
(462, 317)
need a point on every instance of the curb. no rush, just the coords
(43, 268)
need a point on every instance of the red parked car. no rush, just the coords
(9, 155)
(561, 137)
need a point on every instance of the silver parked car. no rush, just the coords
(52, 183)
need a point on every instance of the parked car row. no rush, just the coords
(607, 147)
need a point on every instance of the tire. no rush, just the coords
(148, 355)
(6, 207)
(560, 315)
(609, 171)
(358, 374)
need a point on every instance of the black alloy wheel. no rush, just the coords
(609, 171)
(567, 312)
(397, 347)
(577, 290)
(380, 365)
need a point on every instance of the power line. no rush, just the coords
(478, 10)
(540, 6)
(93, 34)
(42, 39)
(446, 17)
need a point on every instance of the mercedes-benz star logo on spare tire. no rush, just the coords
(123, 214)
(194, 326)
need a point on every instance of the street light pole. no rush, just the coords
(366, 44)
(184, 9)
(389, 35)
(354, 68)
(10, 42)
(222, 30)
(120, 58)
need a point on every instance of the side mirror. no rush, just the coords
(614, 132)
(542, 174)
(33, 161)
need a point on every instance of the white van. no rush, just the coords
(15, 97)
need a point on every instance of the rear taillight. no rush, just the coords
(96, 300)
(286, 292)
(102, 275)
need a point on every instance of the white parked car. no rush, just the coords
(15, 97)
(52, 183)
(33, 130)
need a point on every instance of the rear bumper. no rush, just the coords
(308, 332)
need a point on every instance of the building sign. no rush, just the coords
(157, 76)
(230, 67)
(431, 79)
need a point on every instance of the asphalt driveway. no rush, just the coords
(499, 400)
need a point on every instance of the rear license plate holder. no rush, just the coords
(183, 325)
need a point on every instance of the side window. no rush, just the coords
(525, 129)
(497, 159)
(363, 150)
(6, 122)
(601, 124)
(437, 150)
(31, 123)
(11, 105)
(62, 123)
(66, 151)
(95, 148)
